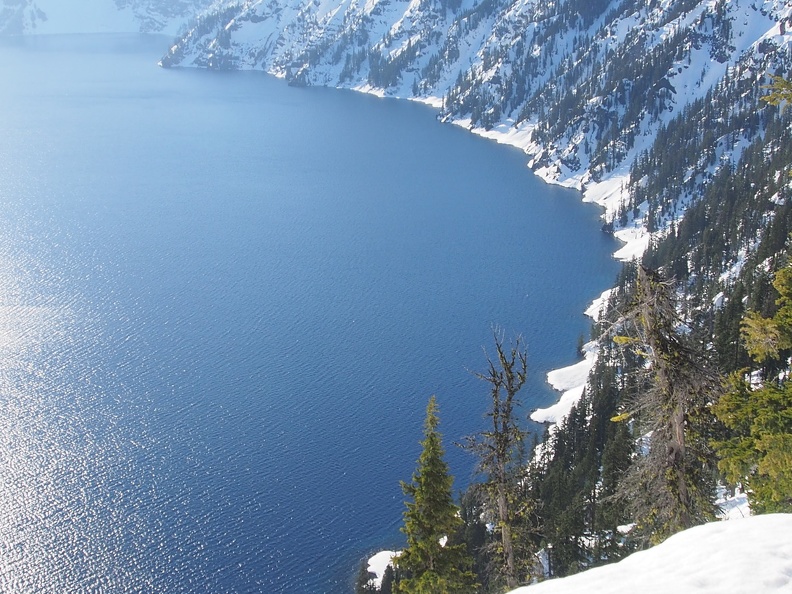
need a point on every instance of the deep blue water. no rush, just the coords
(224, 303)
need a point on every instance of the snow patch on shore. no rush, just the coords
(378, 564)
(571, 382)
(609, 193)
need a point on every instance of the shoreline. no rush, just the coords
(570, 380)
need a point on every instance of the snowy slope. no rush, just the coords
(583, 86)
(748, 556)
(97, 16)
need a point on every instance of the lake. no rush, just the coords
(224, 304)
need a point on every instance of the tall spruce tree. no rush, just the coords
(671, 487)
(432, 562)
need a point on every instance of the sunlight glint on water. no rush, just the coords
(224, 303)
(63, 514)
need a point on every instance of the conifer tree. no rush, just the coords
(432, 563)
(758, 452)
(780, 91)
(671, 488)
(387, 581)
(363, 583)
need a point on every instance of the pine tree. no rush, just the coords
(432, 563)
(387, 581)
(363, 583)
(758, 452)
(780, 91)
(477, 536)
(671, 488)
(763, 337)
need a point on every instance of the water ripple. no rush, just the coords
(219, 326)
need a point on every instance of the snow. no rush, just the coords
(745, 556)
(739, 554)
(561, 409)
(571, 381)
(636, 240)
(378, 564)
(733, 507)
(597, 307)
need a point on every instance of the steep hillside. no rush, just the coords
(584, 87)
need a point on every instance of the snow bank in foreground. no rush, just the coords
(749, 556)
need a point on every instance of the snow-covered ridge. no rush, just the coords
(97, 16)
(582, 86)
(746, 556)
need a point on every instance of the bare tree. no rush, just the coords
(500, 452)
